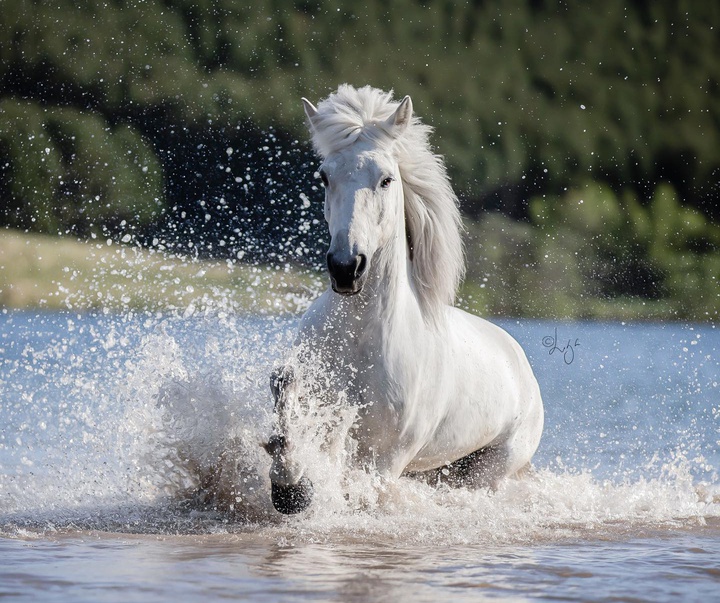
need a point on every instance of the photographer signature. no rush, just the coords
(568, 351)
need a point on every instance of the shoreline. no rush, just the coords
(56, 273)
(52, 273)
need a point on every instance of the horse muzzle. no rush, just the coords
(293, 498)
(347, 277)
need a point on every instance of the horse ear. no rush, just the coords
(400, 120)
(310, 110)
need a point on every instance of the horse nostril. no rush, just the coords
(354, 269)
(356, 266)
(360, 265)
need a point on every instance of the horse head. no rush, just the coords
(363, 196)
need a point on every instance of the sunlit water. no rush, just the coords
(109, 425)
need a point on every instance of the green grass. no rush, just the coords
(44, 272)
(55, 273)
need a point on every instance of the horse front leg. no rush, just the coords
(291, 491)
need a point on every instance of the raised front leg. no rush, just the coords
(291, 490)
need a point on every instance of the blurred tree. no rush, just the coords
(663, 251)
(68, 171)
(528, 98)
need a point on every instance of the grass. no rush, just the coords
(55, 273)
(44, 272)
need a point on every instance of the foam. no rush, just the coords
(159, 430)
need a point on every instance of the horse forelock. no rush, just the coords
(433, 221)
(349, 115)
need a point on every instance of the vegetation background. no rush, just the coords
(583, 138)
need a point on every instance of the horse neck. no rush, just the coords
(390, 296)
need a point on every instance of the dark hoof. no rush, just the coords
(292, 499)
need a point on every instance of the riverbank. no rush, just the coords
(504, 278)
(54, 273)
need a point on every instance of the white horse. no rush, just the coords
(434, 387)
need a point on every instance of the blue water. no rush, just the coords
(107, 421)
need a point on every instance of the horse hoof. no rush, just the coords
(292, 499)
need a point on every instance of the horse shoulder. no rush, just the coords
(478, 336)
(490, 359)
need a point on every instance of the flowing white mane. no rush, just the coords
(432, 217)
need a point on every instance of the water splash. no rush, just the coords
(153, 424)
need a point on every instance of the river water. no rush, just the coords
(109, 422)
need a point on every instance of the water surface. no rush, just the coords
(109, 421)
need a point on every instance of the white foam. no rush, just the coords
(182, 414)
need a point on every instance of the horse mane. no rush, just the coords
(432, 216)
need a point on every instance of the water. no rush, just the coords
(109, 424)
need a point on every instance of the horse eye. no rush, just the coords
(385, 183)
(323, 178)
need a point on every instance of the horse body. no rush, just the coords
(433, 386)
(425, 397)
